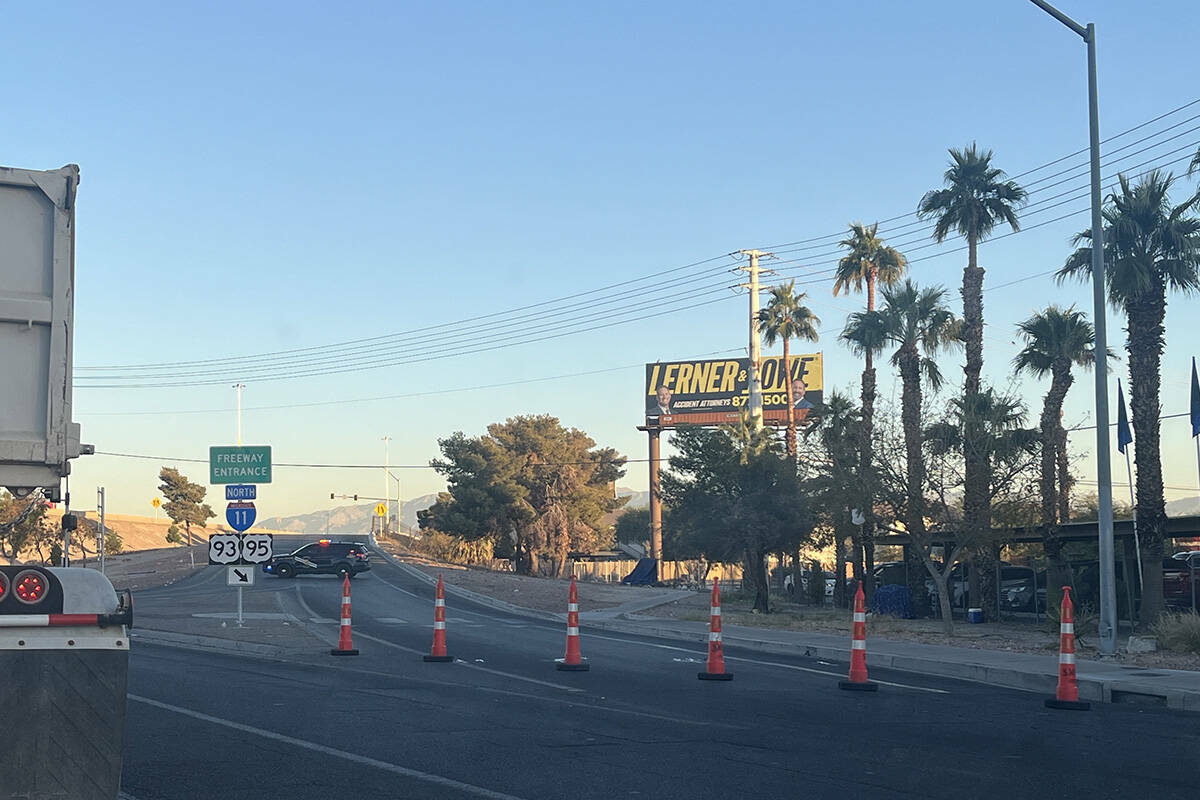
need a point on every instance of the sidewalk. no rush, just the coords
(1099, 681)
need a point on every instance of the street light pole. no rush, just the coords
(239, 387)
(387, 481)
(1108, 584)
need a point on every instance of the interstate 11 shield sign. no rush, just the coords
(240, 515)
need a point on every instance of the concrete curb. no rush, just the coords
(190, 641)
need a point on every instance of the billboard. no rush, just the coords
(714, 392)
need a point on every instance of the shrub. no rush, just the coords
(1180, 632)
(173, 534)
(112, 543)
(816, 585)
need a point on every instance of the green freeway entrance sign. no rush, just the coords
(239, 464)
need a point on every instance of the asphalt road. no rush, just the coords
(502, 722)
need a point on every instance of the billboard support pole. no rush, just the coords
(655, 498)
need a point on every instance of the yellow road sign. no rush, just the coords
(156, 502)
(380, 510)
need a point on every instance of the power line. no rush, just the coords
(417, 330)
(1114, 137)
(180, 460)
(408, 395)
(330, 350)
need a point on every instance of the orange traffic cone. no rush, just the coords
(858, 648)
(572, 661)
(439, 626)
(715, 671)
(1066, 697)
(345, 643)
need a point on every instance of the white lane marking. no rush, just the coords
(765, 663)
(402, 590)
(459, 661)
(392, 620)
(408, 772)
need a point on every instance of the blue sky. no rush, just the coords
(262, 177)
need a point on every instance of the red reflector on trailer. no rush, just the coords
(29, 587)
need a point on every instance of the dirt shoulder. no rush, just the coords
(147, 569)
(540, 594)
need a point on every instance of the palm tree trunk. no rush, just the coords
(1065, 481)
(1145, 354)
(791, 412)
(910, 417)
(976, 517)
(866, 484)
(1058, 574)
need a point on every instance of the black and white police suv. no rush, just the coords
(322, 557)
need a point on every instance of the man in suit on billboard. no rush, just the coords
(660, 404)
(799, 387)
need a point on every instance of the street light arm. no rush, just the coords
(1061, 17)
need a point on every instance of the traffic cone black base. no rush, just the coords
(438, 659)
(715, 676)
(858, 687)
(562, 666)
(1068, 705)
(343, 652)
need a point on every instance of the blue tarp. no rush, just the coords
(644, 574)
(892, 600)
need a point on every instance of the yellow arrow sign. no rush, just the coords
(380, 510)
(156, 502)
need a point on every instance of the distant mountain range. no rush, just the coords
(348, 519)
(357, 518)
(1184, 507)
(636, 499)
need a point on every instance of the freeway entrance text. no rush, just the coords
(250, 464)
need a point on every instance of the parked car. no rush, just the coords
(324, 556)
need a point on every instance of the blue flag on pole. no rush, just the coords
(1195, 401)
(1124, 436)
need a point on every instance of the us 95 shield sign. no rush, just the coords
(714, 392)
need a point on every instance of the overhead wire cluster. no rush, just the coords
(668, 291)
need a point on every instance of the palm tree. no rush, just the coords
(1150, 246)
(785, 318)
(869, 262)
(975, 200)
(1055, 340)
(918, 322)
(1195, 165)
(835, 482)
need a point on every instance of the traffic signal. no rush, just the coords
(355, 497)
(331, 495)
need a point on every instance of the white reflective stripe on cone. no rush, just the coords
(439, 626)
(439, 603)
(572, 606)
(714, 637)
(572, 631)
(715, 611)
(860, 616)
(858, 644)
(1066, 658)
(1067, 627)
(345, 622)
